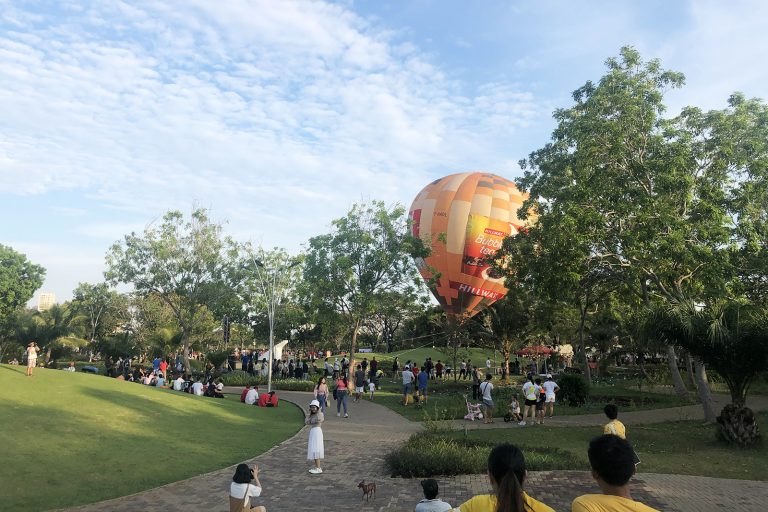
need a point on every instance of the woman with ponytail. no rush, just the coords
(506, 470)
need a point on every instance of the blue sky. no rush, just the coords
(278, 115)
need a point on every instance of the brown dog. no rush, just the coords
(368, 489)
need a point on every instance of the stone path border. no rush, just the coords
(355, 449)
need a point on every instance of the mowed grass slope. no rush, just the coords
(73, 438)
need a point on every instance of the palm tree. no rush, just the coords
(732, 338)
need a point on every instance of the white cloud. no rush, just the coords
(233, 102)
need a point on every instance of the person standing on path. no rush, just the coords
(531, 394)
(550, 388)
(407, 383)
(463, 369)
(374, 369)
(359, 382)
(612, 461)
(341, 395)
(321, 393)
(486, 388)
(31, 353)
(315, 445)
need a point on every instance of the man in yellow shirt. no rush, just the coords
(612, 461)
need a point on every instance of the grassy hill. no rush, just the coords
(74, 438)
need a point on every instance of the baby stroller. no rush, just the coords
(473, 411)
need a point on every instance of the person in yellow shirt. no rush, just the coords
(614, 427)
(506, 470)
(612, 461)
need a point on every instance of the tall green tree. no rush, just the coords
(187, 263)
(19, 279)
(647, 211)
(103, 310)
(366, 256)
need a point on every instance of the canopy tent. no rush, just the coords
(534, 351)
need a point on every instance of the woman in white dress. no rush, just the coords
(315, 450)
(32, 349)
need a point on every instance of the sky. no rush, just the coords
(279, 115)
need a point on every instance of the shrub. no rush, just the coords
(241, 378)
(574, 389)
(438, 452)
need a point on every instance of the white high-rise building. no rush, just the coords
(46, 301)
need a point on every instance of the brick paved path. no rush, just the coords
(354, 450)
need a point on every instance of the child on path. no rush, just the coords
(371, 388)
(315, 445)
(514, 409)
(615, 427)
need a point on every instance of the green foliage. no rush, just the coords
(352, 271)
(184, 263)
(241, 378)
(218, 358)
(433, 453)
(574, 389)
(88, 425)
(19, 278)
(729, 336)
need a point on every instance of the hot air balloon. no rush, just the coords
(464, 218)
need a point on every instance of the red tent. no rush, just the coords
(535, 350)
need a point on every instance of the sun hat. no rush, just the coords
(315, 403)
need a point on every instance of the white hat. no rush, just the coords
(315, 403)
(549, 375)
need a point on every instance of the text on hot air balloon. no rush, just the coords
(473, 290)
(495, 232)
(489, 245)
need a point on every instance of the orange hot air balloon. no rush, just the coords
(464, 218)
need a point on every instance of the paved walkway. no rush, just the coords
(686, 412)
(355, 448)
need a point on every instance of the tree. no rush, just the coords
(729, 336)
(104, 310)
(367, 254)
(507, 323)
(653, 213)
(185, 263)
(19, 279)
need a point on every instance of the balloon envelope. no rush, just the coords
(464, 218)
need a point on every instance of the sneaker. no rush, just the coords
(319, 470)
(346, 415)
(315, 471)
(522, 423)
(338, 414)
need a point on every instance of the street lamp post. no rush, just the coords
(273, 294)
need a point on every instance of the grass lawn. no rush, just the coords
(74, 438)
(680, 447)
(446, 399)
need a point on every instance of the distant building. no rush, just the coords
(46, 301)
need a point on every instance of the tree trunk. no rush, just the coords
(185, 342)
(690, 370)
(582, 346)
(353, 346)
(677, 379)
(704, 395)
(505, 367)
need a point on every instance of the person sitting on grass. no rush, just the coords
(252, 396)
(218, 390)
(241, 490)
(431, 503)
(160, 381)
(506, 471)
(197, 387)
(612, 462)
(178, 383)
